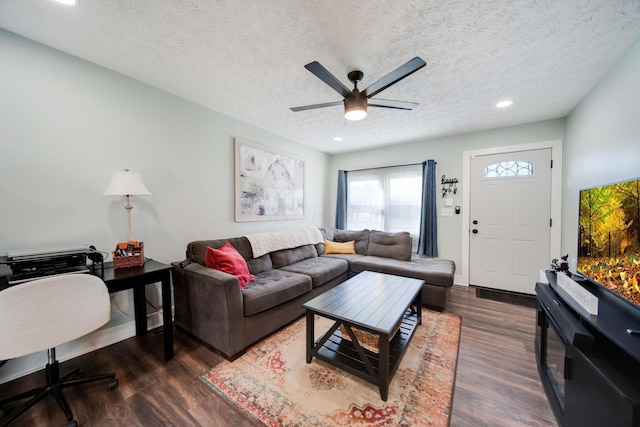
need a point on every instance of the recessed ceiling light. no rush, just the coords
(67, 2)
(504, 104)
(337, 138)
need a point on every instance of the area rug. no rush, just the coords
(273, 385)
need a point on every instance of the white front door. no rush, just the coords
(510, 214)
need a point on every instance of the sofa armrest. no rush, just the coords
(208, 304)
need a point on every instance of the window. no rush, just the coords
(508, 168)
(386, 199)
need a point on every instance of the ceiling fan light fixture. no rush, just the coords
(356, 102)
(355, 107)
(355, 114)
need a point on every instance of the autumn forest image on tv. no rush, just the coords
(608, 239)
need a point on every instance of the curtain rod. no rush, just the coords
(385, 167)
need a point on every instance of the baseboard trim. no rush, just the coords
(516, 298)
(100, 338)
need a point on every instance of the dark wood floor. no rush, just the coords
(497, 382)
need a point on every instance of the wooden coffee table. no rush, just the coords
(377, 303)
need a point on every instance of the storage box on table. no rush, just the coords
(134, 257)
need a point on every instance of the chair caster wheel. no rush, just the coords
(72, 423)
(112, 385)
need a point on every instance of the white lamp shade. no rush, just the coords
(126, 183)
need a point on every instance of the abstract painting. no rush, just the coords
(269, 184)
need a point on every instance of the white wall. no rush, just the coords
(602, 139)
(448, 153)
(66, 124)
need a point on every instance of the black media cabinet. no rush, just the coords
(589, 365)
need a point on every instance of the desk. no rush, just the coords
(137, 278)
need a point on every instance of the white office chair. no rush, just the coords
(42, 314)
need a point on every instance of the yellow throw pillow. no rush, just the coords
(339, 247)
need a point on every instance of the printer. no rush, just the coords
(22, 266)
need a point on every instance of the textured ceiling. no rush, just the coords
(246, 58)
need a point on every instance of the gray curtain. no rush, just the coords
(428, 240)
(341, 202)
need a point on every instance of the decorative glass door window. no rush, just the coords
(508, 168)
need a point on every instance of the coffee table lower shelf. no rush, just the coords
(342, 353)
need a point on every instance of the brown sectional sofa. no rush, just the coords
(210, 305)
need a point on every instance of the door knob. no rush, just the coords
(475, 222)
(474, 231)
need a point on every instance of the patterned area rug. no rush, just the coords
(273, 385)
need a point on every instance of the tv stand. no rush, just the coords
(589, 365)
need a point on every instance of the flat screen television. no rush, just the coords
(609, 238)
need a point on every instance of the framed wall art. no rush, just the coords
(269, 184)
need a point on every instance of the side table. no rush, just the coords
(137, 278)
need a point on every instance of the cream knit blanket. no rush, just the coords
(263, 243)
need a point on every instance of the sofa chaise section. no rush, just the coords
(390, 253)
(436, 273)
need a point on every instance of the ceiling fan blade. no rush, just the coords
(395, 76)
(387, 103)
(324, 75)
(314, 106)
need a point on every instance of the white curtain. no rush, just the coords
(386, 199)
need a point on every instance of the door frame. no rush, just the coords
(556, 195)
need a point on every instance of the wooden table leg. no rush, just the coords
(419, 306)
(167, 329)
(140, 310)
(310, 334)
(383, 366)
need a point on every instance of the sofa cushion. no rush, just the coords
(433, 271)
(228, 259)
(197, 250)
(361, 239)
(339, 247)
(272, 288)
(320, 269)
(328, 233)
(346, 257)
(290, 256)
(260, 264)
(390, 245)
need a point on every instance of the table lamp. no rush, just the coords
(127, 183)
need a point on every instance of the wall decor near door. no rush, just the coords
(269, 184)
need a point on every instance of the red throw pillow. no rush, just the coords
(228, 259)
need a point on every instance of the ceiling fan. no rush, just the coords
(356, 102)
